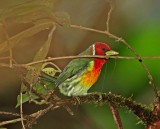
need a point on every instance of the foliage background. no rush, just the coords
(136, 21)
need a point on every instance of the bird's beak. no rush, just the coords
(111, 53)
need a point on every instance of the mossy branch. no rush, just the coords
(145, 114)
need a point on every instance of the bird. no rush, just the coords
(81, 73)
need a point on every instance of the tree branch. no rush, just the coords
(116, 116)
(77, 56)
(144, 113)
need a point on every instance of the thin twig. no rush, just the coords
(11, 57)
(10, 121)
(109, 14)
(60, 58)
(84, 56)
(21, 110)
(44, 111)
(135, 58)
(4, 58)
(68, 109)
(116, 116)
(87, 56)
(9, 113)
(8, 42)
(4, 65)
(35, 115)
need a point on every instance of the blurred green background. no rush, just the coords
(136, 21)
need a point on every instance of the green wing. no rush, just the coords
(76, 66)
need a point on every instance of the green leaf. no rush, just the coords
(43, 89)
(50, 71)
(13, 41)
(62, 18)
(25, 98)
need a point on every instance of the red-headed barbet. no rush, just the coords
(81, 73)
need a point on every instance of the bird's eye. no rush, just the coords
(104, 49)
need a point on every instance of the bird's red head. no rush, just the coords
(100, 48)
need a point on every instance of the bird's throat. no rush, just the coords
(98, 64)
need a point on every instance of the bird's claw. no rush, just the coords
(77, 100)
(97, 94)
(99, 97)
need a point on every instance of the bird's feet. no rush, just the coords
(77, 100)
(98, 96)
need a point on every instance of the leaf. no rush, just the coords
(62, 18)
(42, 53)
(33, 16)
(25, 98)
(48, 74)
(27, 9)
(43, 89)
(19, 11)
(13, 41)
(50, 71)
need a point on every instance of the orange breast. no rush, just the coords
(92, 73)
(90, 77)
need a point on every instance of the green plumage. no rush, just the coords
(75, 67)
(69, 80)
